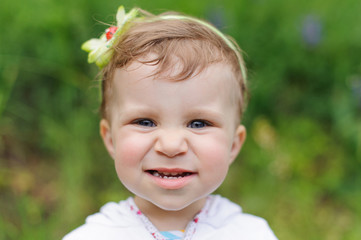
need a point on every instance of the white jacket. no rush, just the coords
(224, 220)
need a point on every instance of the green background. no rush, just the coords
(300, 167)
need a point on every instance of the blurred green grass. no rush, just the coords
(300, 166)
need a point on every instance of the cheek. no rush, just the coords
(130, 149)
(214, 165)
(214, 154)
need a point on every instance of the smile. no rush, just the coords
(169, 175)
(171, 179)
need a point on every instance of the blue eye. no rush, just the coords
(144, 122)
(198, 124)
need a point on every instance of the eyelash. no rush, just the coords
(150, 123)
(204, 122)
(142, 122)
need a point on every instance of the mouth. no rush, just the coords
(171, 178)
(169, 173)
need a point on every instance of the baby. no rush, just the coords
(173, 94)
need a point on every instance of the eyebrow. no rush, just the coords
(206, 113)
(201, 113)
(136, 110)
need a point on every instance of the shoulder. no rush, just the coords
(226, 220)
(112, 221)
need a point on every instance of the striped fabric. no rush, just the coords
(173, 235)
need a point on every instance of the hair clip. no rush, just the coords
(100, 49)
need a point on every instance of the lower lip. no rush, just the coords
(172, 184)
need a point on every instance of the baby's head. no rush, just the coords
(180, 47)
(173, 94)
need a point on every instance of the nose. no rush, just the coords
(171, 143)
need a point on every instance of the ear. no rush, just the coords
(239, 138)
(105, 132)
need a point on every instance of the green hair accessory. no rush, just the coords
(100, 49)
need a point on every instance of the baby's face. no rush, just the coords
(172, 141)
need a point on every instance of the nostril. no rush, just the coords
(171, 146)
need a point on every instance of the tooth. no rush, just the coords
(165, 177)
(166, 173)
(156, 174)
(174, 174)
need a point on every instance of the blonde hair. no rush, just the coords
(194, 45)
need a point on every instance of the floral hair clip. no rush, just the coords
(100, 48)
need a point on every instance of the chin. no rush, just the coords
(171, 204)
(176, 203)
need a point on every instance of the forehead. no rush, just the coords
(215, 79)
(215, 87)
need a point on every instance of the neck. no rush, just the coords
(165, 220)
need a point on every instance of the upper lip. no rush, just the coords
(170, 170)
